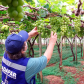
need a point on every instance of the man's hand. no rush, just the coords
(33, 33)
(49, 50)
(53, 38)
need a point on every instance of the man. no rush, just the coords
(16, 68)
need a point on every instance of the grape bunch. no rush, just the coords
(60, 24)
(65, 20)
(22, 27)
(4, 31)
(4, 28)
(26, 25)
(55, 23)
(15, 9)
(63, 29)
(40, 24)
(77, 23)
(45, 33)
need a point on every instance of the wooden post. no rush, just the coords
(46, 43)
(64, 41)
(83, 46)
(76, 47)
(60, 66)
(40, 54)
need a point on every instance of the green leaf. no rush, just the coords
(16, 22)
(28, 17)
(55, 8)
(42, 1)
(73, 15)
(83, 6)
(42, 13)
(64, 0)
(64, 10)
(5, 20)
(70, 1)
(47, 20)
(46, 6)
(56, 1)
(28, 0)
(3, 12)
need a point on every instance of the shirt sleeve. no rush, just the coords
(34, 66)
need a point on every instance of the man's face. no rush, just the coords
(26, 46)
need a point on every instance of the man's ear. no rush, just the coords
(22, 51)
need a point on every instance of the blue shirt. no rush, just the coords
(34, 66)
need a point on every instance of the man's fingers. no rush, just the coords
(54, 34)
(51, 33)
(35, 28)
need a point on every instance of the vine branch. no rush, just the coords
(37, 9)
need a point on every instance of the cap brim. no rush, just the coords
(24, 35)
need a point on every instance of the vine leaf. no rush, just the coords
(5, 20)
(63, 10)
(28, 0)
(42, 1)
(42, 13)
(55, 8)
(73, 15)
(46, 6)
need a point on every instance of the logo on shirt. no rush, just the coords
(9, 72)
(6, 82)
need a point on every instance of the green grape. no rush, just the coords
(14, 13)
(41, 29)
(16, 32)
(7, 27)
(21, 2)
(15, 9)
(60, 24)
(77, 24)
(12, 9)
(34, 25)
(10, 4)
(10, 14)
(1, 37)
(17, 19)
(62, 33)
(0, 25)
(9, 10)
(63, 28)
(42, 35)
(19, 8)
(20, 15)
(4, 27)
(15, 3)
(21, 27)
(4, 3)
(0, 0)
(8, 1)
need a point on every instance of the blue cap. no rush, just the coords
(14, 42)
